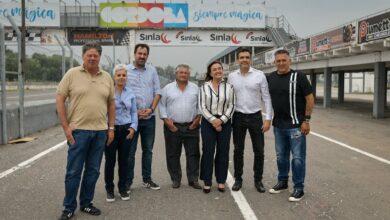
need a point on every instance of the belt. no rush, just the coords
(240, 113)
(122, 126)
(182, 124)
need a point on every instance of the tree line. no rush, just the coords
(39, 67)
(42, 67)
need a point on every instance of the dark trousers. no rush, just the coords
(215, 143)
(173, 145)
(253, 123)
(121, 145)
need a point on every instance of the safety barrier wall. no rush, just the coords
(38, 116)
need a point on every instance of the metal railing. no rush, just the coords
(280, 22)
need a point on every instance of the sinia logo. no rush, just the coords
(155, 37)
(224, 38)
(259, 38)
(180, 35)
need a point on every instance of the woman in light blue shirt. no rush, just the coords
(126, 123)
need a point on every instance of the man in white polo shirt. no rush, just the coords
(251, 89)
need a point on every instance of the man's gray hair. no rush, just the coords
(120, 67)
(185, 66)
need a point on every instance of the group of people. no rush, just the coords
(107, 116)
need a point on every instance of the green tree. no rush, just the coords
(39, 67)
(11, 64)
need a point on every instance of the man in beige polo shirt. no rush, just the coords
(90, 94)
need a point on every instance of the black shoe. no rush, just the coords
(124, 195)
(128, 189)
(66, 215)
(237, 185)
(222, 190)
(175, 184)
(90, 209)
(206, 189)
(151, 185)
(259, 186)
(195, 185)
(279, 187)
(110, 196)
(296, 196)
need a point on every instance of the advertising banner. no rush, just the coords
(37, 36)
(227, 15)
(37, 14)
(144, 15)
(270, 55)
(334, 39)
(374, 28)
(298, 47)
(204, 38)
(181, 15)
(47, 36)
(32, 36)
(101, 36)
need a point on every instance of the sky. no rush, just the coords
(307, 17)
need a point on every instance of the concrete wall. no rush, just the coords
(37, 116)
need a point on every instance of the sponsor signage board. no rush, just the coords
(37, 36)
(48, 36)
(270, 55)
(181, 15)
(101, 36)
(227, 15)
(374, 28)
(204, 38)
(37, 14)
(298, 47)
(340, 37)
(144, 15)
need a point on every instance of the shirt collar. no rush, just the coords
(82, 69)
(177, 86)
(211, 81)
(132, 66)
(249, 71)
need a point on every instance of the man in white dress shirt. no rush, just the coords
(251, 88)
(179, 110)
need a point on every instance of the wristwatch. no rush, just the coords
(111, 128)
(307, 118)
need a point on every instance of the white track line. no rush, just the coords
(32, 159)
(351, 148)
(239, 198)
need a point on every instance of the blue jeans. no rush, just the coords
(86, 153)
(146, 128)
(293, 140)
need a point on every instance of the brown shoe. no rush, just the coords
(195, 185)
